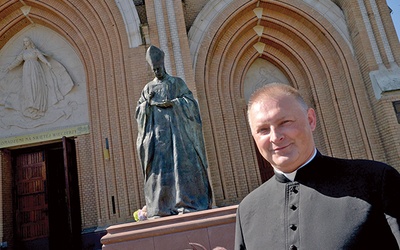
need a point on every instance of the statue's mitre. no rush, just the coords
(154, 55)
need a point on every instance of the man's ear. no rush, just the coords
(312, 118)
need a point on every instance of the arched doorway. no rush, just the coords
(315, 54)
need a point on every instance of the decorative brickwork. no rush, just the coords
(212, 43)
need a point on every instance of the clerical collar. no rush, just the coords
(292, 175)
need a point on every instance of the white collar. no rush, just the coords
(292, 175)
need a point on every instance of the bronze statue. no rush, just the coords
(170, 144)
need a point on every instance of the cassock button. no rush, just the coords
(293, 247)
(293, 207)
(294, 190)
(293, 227)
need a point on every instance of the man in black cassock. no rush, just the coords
(313, 201)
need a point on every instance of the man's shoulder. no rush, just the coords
(260, 193)
(359, 167)
(355, 162)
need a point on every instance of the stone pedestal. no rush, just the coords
(210, 228)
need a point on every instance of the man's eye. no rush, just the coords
(264, 131)
(287, 122)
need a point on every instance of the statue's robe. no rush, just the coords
(171, 149)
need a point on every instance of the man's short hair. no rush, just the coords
(275, 89)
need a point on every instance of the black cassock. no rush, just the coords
(331, 204)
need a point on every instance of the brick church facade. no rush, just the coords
(342, 55)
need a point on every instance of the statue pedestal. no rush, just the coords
(209, 228)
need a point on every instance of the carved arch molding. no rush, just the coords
(306, 41)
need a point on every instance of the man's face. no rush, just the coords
(159, 71)
(282, 130)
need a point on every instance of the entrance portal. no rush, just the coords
(46, 197)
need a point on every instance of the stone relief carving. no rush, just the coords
(266, 75)
(260, 73)
(32, 86)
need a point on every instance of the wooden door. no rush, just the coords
(32, 221)
(46, 197)
(72, 192)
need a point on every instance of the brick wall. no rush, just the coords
(299, 41)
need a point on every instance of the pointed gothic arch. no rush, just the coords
(303, 41)
(131, 20)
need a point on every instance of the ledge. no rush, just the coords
(155, 229)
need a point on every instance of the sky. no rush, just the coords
(395, 6)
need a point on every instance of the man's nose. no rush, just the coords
(275, 135)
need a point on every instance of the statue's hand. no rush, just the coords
(168, 104)
(150, 95)
(164, 104)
